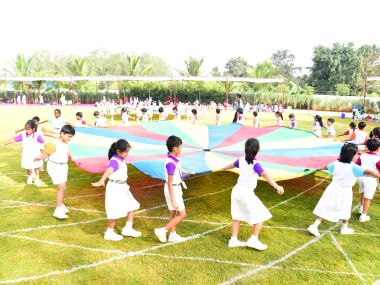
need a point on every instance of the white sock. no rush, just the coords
(233, 238)
(317, 223)
(254, 237)
(109, 230)
(344, 225)
(128, 225)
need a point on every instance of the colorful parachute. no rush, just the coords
(285, 153)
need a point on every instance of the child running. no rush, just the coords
(245, 205)
(368, 184)
(173, 191)
(293, 122)
(58, 154)
(31, 148)
(119, 200)
(336, 202)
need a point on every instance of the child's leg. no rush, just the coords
(345, 230)
(61, 193)
(256, 229)
(313, 228)
(176, 220)
(366, 203)
(172, 215)
(111, 224)
(131, 216)
(235, 228)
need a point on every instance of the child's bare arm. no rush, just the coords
(102, 180)
(9, 141)
(279, 189)
(229, 166)
(373, 173)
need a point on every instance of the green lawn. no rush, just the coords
(38, 249)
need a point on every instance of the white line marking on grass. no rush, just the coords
(15, 206)
(298, 195)
(95, 264)
(53, 226)
(201, 259)
(337, 245)
(84, 196)
(63, 244)
(271, 264)
(367, 234)
(66, 271)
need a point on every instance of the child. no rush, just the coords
(350, 132)
(79, 123)
(144, 117)
(240, 117)
(57, 122)
(31, 148)
(367, 184)
(161, 114)
(119, 201)
(361, 136)
(256, 120)
(173, 191)
(194, 113)
(58, 155)
(218, 117)
(125, 117)
(245, 205)
(100, 121)
(177, 114)
(293, 122)
(331, 133)
(375, 133)
(279, 118)
(317, 125)
(335, 203)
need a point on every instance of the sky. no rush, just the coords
(175, 29)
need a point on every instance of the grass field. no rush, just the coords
(35, 248)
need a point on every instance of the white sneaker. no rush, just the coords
(256, 244)
(346, 231)
(130, 233)
(38, 182)
(364, 218)
(64, 209)
(59, 214)
(108, 235)
(236, 243)
(30, 180)
(174, 237)
(161, 234)
(313, 230)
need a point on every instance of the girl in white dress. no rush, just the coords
(317, 125)
(279, 118)
(119, 201)
(245, 205)
(336, 202)
(256, 120)
(31, 148)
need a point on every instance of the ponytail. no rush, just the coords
(252, 147)
(279, 114)
(375, 133)
(119, 146)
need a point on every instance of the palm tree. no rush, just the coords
(193, 66)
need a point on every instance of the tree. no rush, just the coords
(193, 66)
(369, 54)
(237, 66)
(283, 60)
(337, 65)
(215, 71)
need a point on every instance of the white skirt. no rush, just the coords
(28, 156)
(119, 201)
(247, 207)
(335, 203)
(57, 172)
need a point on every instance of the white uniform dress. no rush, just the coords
(317, 129)
(331, 131)
(336, 202)
(119, 200)
(56, 166)
(173, 165)
(360, 138)
(245, 205)
(368, 184)
(31, 148)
